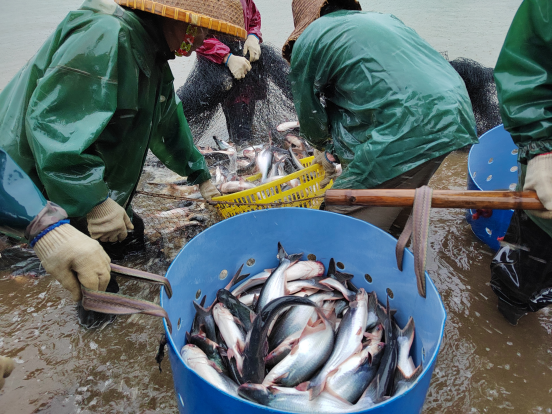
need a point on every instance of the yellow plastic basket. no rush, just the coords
(306, 195)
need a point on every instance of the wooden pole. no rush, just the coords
(499, 200)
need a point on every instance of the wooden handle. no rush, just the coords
(499, 200)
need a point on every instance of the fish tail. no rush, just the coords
(281, 252)
(316, 386)
(408, 330)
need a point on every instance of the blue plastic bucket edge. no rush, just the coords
(432, 361)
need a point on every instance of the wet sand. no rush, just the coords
(485, 365)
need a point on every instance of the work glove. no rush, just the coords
(252, 46)
(239, 66)
(321, 158)
(6, 368)
(74, 259)
(539, 178)
(108, 222)
(208, 190)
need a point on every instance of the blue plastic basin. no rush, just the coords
(492, 165)
(361, 247)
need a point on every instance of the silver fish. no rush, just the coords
(264, 162)
(295, 160)
(312, 350)
(404, 382)
(235, 186)
(282, 350)
(247, 284)
(405, 337)
(354, 375)
(297, 285)
(198, 362)
(305, 269)
(275, 285)
(334, 284)
(347, 343)
(231, 333)
(297, 318)
(292, 400)
(287, 126)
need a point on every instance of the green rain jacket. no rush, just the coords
(370, 90)
(81, 115)
(523, 76)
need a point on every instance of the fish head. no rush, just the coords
(255, 392)
(191, 352)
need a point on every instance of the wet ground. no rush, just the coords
(485, 365)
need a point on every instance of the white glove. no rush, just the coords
(539, 178)
(239, 66)
(252, 45)
(108, 222)
(74, 259)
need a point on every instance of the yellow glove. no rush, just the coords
(331, 172)
(108, 222)
(6, 368)
(239, 66)
(74, 259)
(539, 178)
(208, 190)
(252, 45)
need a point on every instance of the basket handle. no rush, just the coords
(417, 226)
(117, 304)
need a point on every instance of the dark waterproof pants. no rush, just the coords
(521, 271)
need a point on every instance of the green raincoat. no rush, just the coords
(370, 90)
(523, 76)
(81, 115)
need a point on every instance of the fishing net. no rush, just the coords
(239, 111)
(481, 88)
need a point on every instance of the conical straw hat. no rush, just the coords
(307, 11)
(224, 16)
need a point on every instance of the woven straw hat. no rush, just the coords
(307, 11)
(224, 16)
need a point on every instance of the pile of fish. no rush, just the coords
(270, 161)
(301, 339)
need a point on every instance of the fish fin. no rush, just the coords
(358, 349)
(281, 252)
(295, 257)
(203, 300)
(215, 366)
(337, 396)
(278, 379)
(239, 323)
(309, 330)
(303, 386)
(343, 277)
(315, 323)
(331, 268)
(234, 279)
(316, 391)
(252, 316)
(230, 353)
(241, 345)
(408, 331)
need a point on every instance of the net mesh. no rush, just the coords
(243, 111)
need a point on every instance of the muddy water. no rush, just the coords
(485, 365)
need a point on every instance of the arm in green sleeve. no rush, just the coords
(67, 112)
(174, 146)
(523, 77)
(308, 75)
